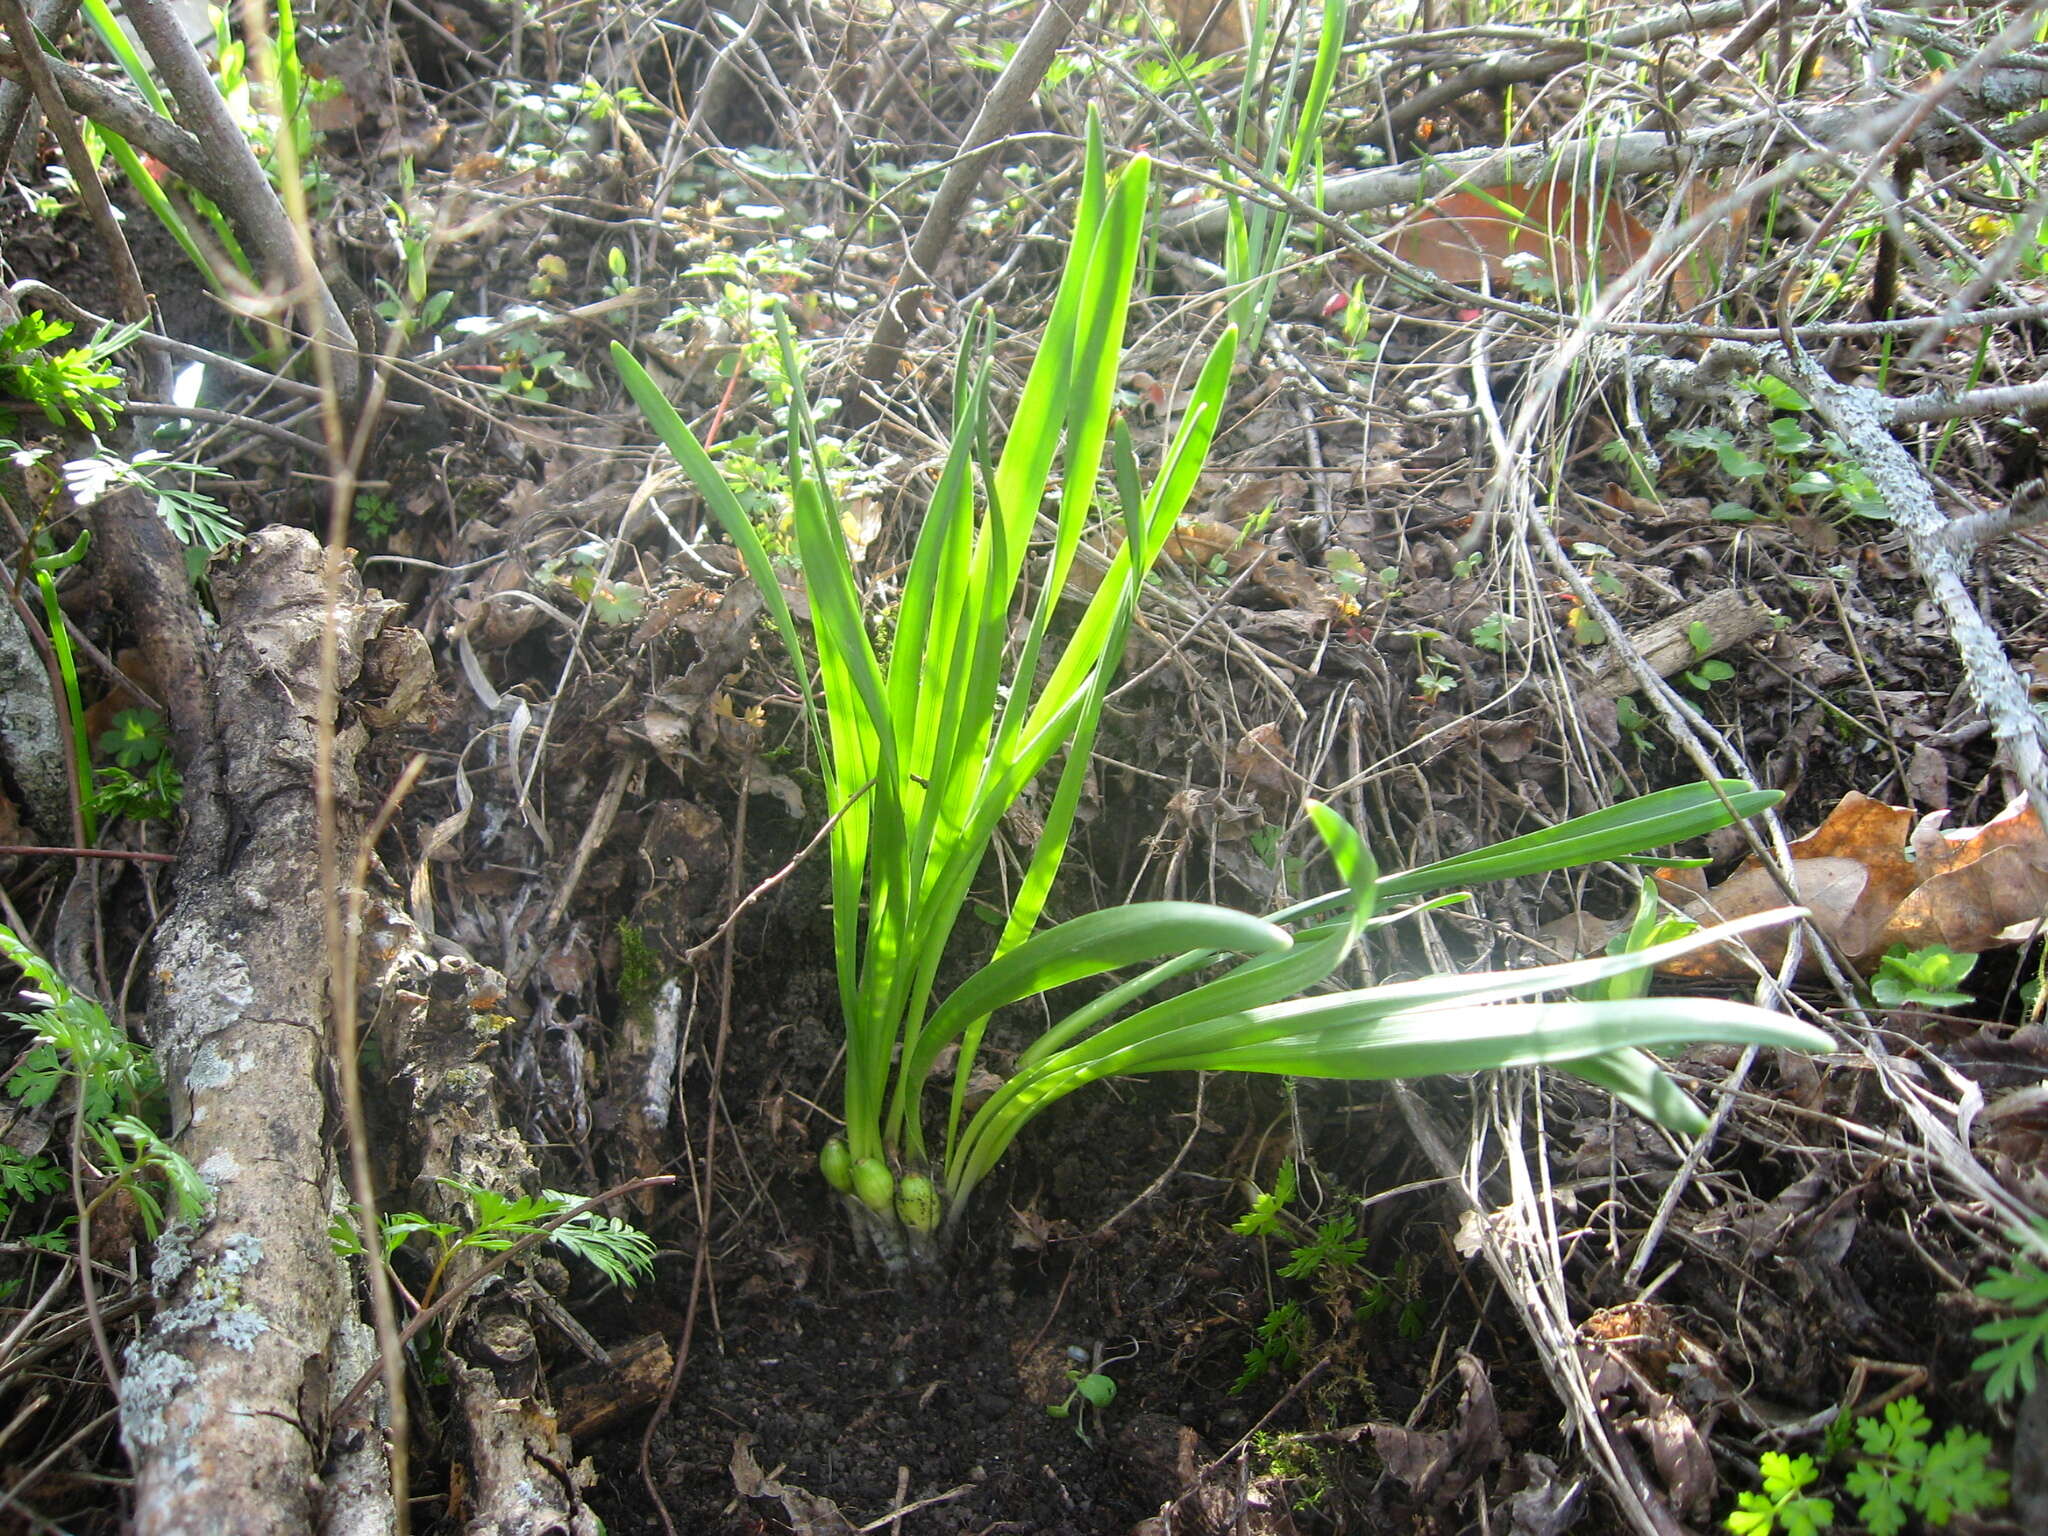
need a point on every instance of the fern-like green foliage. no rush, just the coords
(622, 1253)
(1263, 1219)
(25, 1178)
(2017, 1342)
(68, 386)
(1333, 1248)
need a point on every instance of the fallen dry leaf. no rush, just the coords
(1572, 236)
(1210, 28)
(1875, 877)
(1440, 1466)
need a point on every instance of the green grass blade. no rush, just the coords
(1651, 821)
(1169, 495)
(1431, 1041)
(1039, 420)
(1166, 1038)
(1639, 1082)
(154, 198)
(719, 500)
(125, 53)
(1453, 991)
(1088, 946)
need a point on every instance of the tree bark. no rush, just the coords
(224, 1408)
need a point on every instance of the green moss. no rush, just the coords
(1306, 1465)
(639, 966)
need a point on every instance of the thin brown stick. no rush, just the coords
(1005, 102)
(88, 853)
(63, 124)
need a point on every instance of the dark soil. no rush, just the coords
(875, 1397)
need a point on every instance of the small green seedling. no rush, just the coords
(582, 572)
(1263, 1219)
(1333, 1247)
(1595, 556)
(1090, 1387)
(1783, 1506)
(1277, 1344)
(1720, 442)
(141, 781)
(1924, 978)
(1329, 1258)
(1707, 669)
(1632, 722)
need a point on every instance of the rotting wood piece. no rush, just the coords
(1671, 644)
(594, 1398)
(441, 1016)
(225, 1399)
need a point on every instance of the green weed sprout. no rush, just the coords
(1898, 1473)
(1922, 978)
(1088, 1389)
(925, 750)
(1902, 1472)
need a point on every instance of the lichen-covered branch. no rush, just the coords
(224, 1402)
(1859, 417)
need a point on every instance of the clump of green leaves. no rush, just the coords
(1922, 978)
(111, 1084)
(1330, 1256)
(1899, 1472)
(139, 779)
(1632, 722)
(26, 1177)
(72, 387)
(582, 572)
(1784, 466)
(374, 515)
(932, 727)
(1707, 669)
